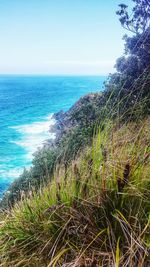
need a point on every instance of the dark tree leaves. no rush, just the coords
(139, 18)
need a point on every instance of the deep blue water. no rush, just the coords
(26, 106)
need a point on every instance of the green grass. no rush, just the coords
(95, 213)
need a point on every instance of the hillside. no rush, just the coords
(74, 130)
(96, 214)
(85, 202)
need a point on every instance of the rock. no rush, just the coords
(77, 115)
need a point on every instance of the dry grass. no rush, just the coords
(98, 216)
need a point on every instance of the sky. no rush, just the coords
(59, 37)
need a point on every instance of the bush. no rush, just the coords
(99, 214)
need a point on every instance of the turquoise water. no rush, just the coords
(26, 107)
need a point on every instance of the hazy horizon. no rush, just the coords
(59, 38)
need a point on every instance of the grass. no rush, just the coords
(95, 213)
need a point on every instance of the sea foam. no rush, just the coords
(33, 136)
(23, 102)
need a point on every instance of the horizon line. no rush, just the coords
(50, 74)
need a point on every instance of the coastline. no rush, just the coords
(53, 129)
(25, 124)
(73, 117)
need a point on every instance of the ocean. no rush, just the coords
(26, 107)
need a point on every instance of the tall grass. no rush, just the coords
(97, 213)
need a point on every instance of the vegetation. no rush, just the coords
(97, 213)
(131, 82)
(83, 117)
(86, 201)
(126, 97)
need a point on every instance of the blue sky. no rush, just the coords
(59, 36)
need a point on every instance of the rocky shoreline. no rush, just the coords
(77, 115)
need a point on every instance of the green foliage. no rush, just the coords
(38, 175)
(43, 163)
(96, 210)
(87, 216)
(126, 97)
(131, 83)
(139, 19)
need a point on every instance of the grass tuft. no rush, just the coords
(97, 213)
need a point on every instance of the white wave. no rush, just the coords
(10, 174)
(36, 127)
(34, 135)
